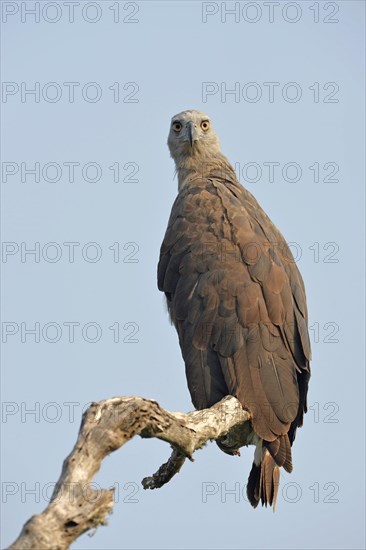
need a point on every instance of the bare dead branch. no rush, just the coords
(75, 506)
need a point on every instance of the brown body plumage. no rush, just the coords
(237, 300)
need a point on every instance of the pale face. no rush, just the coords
(191, 135)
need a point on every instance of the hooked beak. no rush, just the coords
(192, 133)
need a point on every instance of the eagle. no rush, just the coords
(237, 300)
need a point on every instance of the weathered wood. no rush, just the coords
(75, 506)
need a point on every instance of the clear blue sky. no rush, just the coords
(303, 64)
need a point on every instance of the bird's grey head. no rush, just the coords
(192, 136)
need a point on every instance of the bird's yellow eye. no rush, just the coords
(177, 126)
(205, 125)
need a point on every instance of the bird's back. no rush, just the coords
(232, 288)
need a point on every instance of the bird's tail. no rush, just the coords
(264, 477)
(263, 482)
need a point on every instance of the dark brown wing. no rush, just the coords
(238, 302)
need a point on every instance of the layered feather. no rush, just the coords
(238, 303)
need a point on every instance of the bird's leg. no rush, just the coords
(239, 436)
